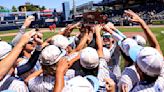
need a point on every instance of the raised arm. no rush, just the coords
(63, 65)
(114, 34)
(81, 44)
(69, 29)
(22, 30)
(34, 57)
(148, 33)
(99, 40)
(7, 63)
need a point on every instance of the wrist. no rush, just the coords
(141, 21)
(39, 47)
(23, 27)
(60, 72)
(113, 28)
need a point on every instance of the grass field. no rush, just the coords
(155, 30)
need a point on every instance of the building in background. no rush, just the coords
(87, 7)
(66, 10)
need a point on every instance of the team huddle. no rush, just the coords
(86, 62)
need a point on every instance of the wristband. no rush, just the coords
(39, 47)
(117, 37)
(120, 33)
(22, 29)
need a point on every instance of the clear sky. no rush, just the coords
(47, 3)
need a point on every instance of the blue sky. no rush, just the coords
(48, 3)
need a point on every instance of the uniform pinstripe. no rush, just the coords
(16, 85)
(103, 71)
(158, 86)
(41, 84)
(44, 83)
(130, 77)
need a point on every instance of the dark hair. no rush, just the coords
(149, 79)
(127, 58)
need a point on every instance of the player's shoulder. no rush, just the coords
(159, 84)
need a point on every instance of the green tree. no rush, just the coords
(43, 8)
(14, 9)
(1, 7)
(32, 7)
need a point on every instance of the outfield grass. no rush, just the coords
(156, 31)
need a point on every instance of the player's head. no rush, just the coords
(150, 62)
(140, 40)
(5, 48)
(60, 41)
(50, 57)
(29, 47)
(82, 84)
(108, 40)
(89, 58)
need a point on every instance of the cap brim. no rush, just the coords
(4, 56)
(133, 52)
(95, 82)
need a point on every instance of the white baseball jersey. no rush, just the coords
(16, 85)
(116, 59)
(41, 84)
(45, 83)
(130, 77)
(158, 86)
(103, 71)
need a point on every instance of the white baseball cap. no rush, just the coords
(107, 54)
(82, 84)
(89, 58)
(150, 61)
(5, 48)
(140, 40)
(60, 41)
(126, 44)
(51, 55)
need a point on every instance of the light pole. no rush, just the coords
(74, 8)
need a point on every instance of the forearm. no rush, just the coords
(7, 63)
(67, 31)
(29, 65)
(82, 43)
(150, 36)
(59, 82)
(115, 35)
(120, 33)
(18, 36)
(99, 44)
(33, 75)
(75, 56)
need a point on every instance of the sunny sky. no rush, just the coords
(47, 3)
